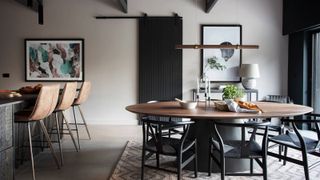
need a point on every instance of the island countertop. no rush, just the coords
(14, 100)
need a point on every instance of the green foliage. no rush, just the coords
(213, 64)
(232, 92)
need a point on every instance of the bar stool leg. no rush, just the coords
(44, 130)
(59, 138)
(84, 121)
(76, 125)
(69, 129)
(31, 152)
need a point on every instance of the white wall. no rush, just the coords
(111, 46)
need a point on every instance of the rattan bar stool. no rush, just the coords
(82, 97)
(65, 102)
(45, 105)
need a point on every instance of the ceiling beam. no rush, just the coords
(40, 12)
(35, 5)
(124, 5)
(210, 4)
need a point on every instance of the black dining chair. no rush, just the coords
(169, 130)
(276, 125)
(183, 147)
(239, 149)
(305, 141)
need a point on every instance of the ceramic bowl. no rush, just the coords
(188, 104)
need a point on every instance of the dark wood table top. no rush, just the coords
(173, 109)
(14, 100)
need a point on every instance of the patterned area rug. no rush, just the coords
(129, 166)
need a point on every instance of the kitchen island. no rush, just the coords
(8, 106)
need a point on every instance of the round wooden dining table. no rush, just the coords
(203, 115)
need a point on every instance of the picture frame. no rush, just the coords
(54, 60)
(221, 65)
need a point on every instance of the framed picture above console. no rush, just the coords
(54, 59)
(221, 65)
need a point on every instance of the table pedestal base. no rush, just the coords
(203, 130)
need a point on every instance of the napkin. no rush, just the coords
(234, 107)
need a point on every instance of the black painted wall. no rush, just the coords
(300, 15)
(300, 20)
(160, 64)
(297, 71)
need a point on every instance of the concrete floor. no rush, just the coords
(95, 161)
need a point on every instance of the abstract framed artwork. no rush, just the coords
(221, 65)
(54, 59)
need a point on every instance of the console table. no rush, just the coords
(248, 92)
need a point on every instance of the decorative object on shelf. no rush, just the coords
(54, 59)
(204, 83)
(222, 64)
(249, 73)
(232, 92)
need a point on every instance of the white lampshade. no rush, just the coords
(249, 71)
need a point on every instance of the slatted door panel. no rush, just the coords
(160, 64)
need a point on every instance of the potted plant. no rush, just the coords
(232, 92)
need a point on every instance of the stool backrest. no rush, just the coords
(46, 102)
(84, 93)
(68, 95)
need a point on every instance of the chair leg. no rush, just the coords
(195, 160)
(31, 151)
(264, 165)
(44, 130)
(222, 166)
(280, 152)
(251, 166)
(305, 164)
(209, 161)
(76, 125)
(84, 121)
(142, 163)
(179, 162)
(59, 138)
(158, 160)
(69, 129)
(285, 155)
(280, 146)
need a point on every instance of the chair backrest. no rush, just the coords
(251, 124)
(278, 98)
(46, 102)
(153, 130)
(68, 96)
(84, 93)
(157, 118)
(313, 119)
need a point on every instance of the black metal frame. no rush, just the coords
(299, 145)
(58, 39)
(153, 134)
(218, 145)
(202, 38)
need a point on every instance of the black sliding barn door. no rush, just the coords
(160, 64)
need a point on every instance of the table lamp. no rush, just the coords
(249, 73)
